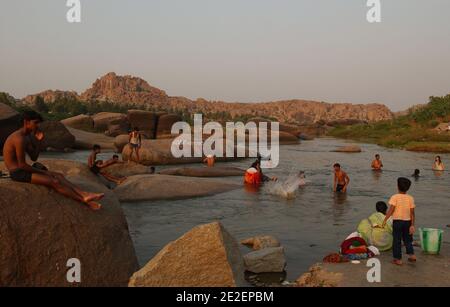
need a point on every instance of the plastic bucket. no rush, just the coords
(431, 240)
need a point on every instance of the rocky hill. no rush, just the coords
(129, 89)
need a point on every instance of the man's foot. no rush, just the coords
(412, 258)
(397, 262)
(94, 205)
(92, 196)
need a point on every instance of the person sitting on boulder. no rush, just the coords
(377, 165)
(135, 141)
(26, 141)
(97, 166)
(210, 160)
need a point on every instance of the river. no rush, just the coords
(312, 224)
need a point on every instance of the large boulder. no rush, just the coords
(206, 256)
(260, 242)
(145, 121)
(348, 149)
(158, 152)
(127, 169)
(157, 187)
(165, 123)
(121, 141)
(217, 171)
(9, 122)
(103, 120)
(266, 260)
(41, 230)
(56, 136)
(82, 121)
(85, 140)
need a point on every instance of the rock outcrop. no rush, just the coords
(85, 140)
(127, 169)
(50, 96)
(165, 123)
(9, 122)
(56, 136)
(158, 187)
(104, 120)
(206, 256)
(82, 122)
(319, 277)
(125, 89)
(41, 230)
(145, 121)
(266, 260)
(217, 171)
(260, 242)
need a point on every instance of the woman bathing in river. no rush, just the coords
(438, 165)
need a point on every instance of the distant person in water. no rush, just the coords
(135, 142)
(152, 170)
(438, 165)
(27, 140)
(210, 160)
(97, 166)
(377, 165)
(416, 174)
(341, 179)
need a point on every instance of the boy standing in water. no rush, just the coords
(402, 211)
(377, 164)
(341, 179)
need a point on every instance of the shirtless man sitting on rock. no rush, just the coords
(26, 140)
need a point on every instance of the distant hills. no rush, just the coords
(130, 90)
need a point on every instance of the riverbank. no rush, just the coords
(428, 271)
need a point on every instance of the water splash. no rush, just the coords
(288, 187)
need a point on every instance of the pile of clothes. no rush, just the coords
(354, 247)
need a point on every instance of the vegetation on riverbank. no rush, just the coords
(414, 131)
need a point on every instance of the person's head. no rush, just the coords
(337, 166)
(136, 129)
(96, 148)
(31, 120)
(115, 157)
(438, 159)
(416, 172)
(98, 162)
(301, 174)
(403, 184)
(377, 156)
(381, 207)
(152, 169)
(255, 164)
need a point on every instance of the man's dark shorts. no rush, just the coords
(339, 187)
(20, 175)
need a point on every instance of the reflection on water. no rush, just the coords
(316, 220)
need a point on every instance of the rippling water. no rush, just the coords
(314, 222)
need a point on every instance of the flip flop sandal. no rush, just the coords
(396, 262)
(412, 259)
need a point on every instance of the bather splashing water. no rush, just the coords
(287, 188)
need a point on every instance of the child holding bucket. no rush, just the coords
(402, 211)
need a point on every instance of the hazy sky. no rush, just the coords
(233, 50)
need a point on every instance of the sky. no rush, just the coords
(233, 50)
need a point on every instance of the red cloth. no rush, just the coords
(347, 248)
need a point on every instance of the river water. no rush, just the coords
(315, 221)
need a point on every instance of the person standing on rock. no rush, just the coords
(135, 142)
(341, 179)
(26, 141)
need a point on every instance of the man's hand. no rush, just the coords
(39, 135)
(412, 230)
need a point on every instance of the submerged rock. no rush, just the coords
(206, 256)
(265, 260)
(41, 230)
(158, 187)
(349, 149)
(260, 242)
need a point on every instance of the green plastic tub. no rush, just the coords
(431, 240)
